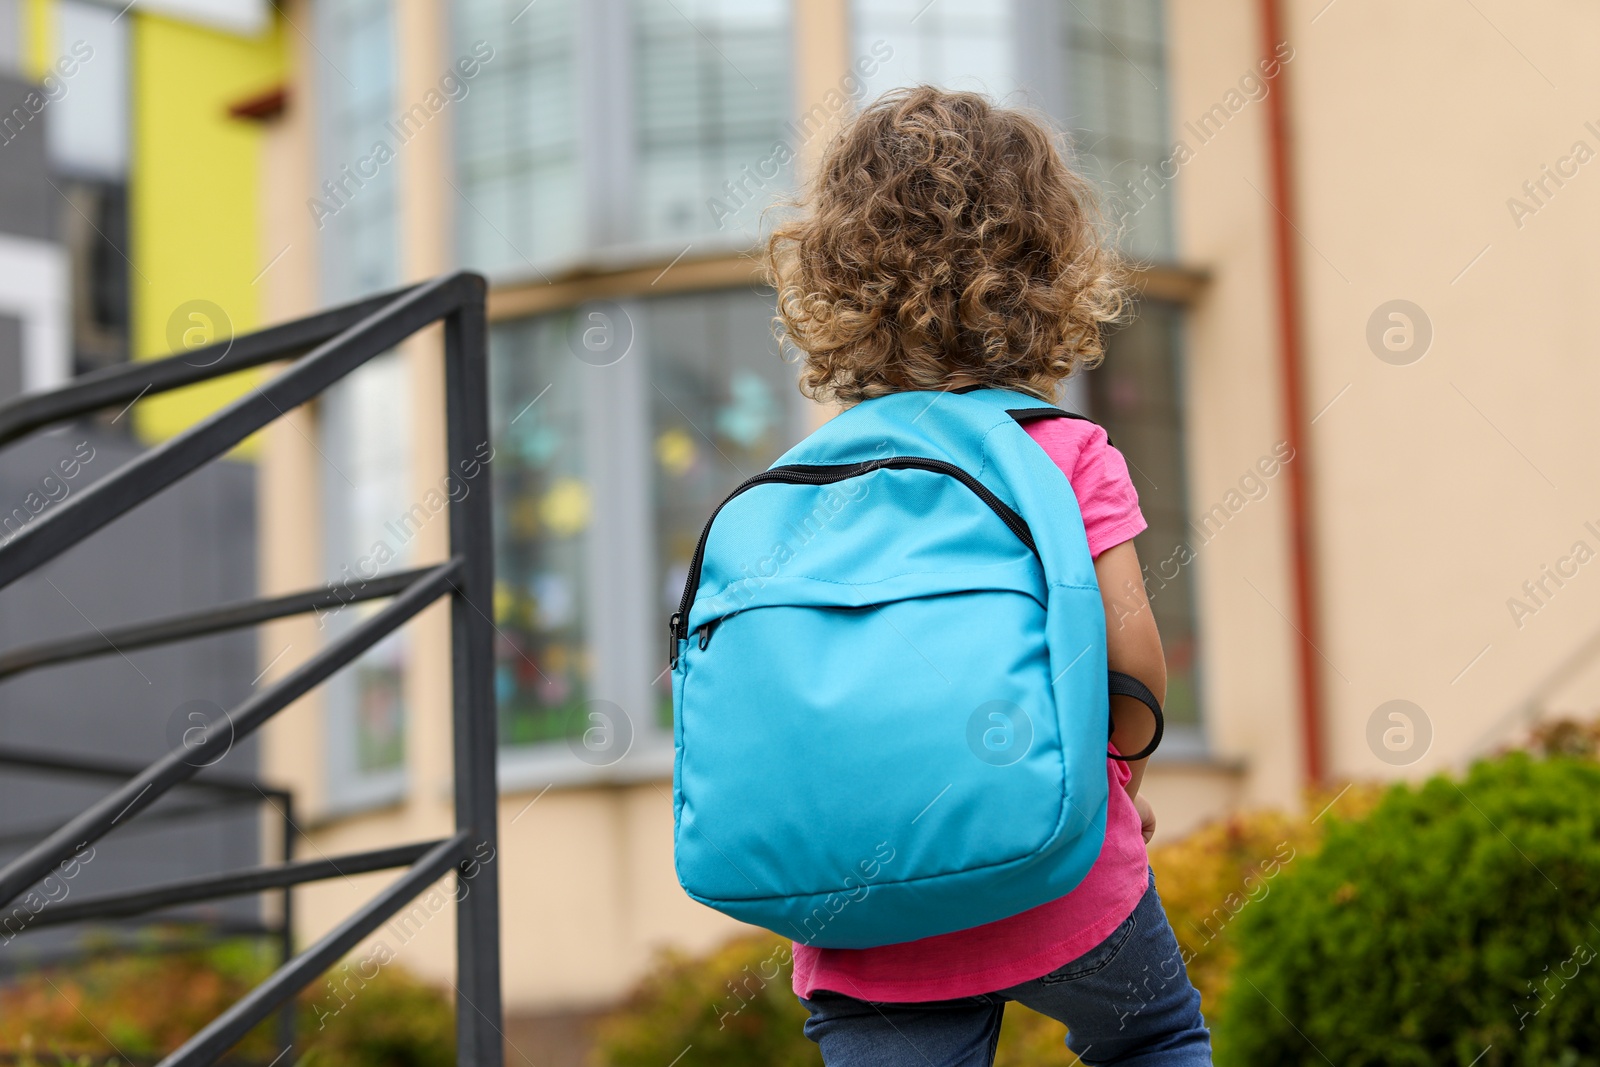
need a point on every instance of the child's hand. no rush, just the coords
(1147, 818)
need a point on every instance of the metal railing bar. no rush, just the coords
(223, 1032)
(100, 767)
(121, 385)
(234, 884)
(323, 349)
(202, 623)
(143, 789)
(473, 728)
(141, 478)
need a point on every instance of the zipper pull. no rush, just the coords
(705, 636)
(672, 640)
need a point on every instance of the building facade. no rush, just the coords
(1346, 480)
(128, 229)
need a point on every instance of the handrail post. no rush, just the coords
(479, 1042)
(286, 1014)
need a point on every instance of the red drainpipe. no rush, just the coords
(1291, 359)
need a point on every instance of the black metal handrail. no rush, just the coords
(201, 623)
(220, 793)
(324, 348)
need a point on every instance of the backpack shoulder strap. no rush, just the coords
(1034, 414)
(1120, 684)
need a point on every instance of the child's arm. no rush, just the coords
(1133, 647)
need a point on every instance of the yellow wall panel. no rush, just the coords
(195, 200)
(38, 37)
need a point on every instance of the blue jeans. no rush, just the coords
(1126, 1001)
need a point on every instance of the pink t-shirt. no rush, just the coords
(1026, 946)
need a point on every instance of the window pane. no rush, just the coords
(723, 407)
(1115, 58)
(542, 506)
(520, 204)
(371, 523)
(87, 131)
(355, 203)
(1137, 396)
(711, 101)
(955, 44)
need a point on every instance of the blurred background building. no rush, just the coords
(1354, 397)
(124, 183)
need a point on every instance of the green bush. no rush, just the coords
(735, 1008)
(1456, 924)
(734, 1005)
(1213, 875)
(392, 1020)
(364, 1013)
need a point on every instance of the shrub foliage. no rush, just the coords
(1456, 924)
(144, 1005)
(735, 1008)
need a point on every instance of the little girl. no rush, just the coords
(946, 245)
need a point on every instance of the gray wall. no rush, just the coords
(192, 546)
(10, 34)
(10, 356)
(27, 203)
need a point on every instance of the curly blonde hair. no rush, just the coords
(942, 241)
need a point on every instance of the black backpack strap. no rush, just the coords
(1121, 684)
(1126, 685)
(1027, 415)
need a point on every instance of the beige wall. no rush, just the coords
(1438, 487)
(1446, 484)
(1242, 573)
(1413, 124)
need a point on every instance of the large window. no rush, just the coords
(1137, 395)
(364, 423)
(649, 127)
(617, 428)
(618, 124)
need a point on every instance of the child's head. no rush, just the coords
(945, 241)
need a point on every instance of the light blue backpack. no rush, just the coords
(889, 680)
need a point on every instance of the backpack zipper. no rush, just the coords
(823, 474)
